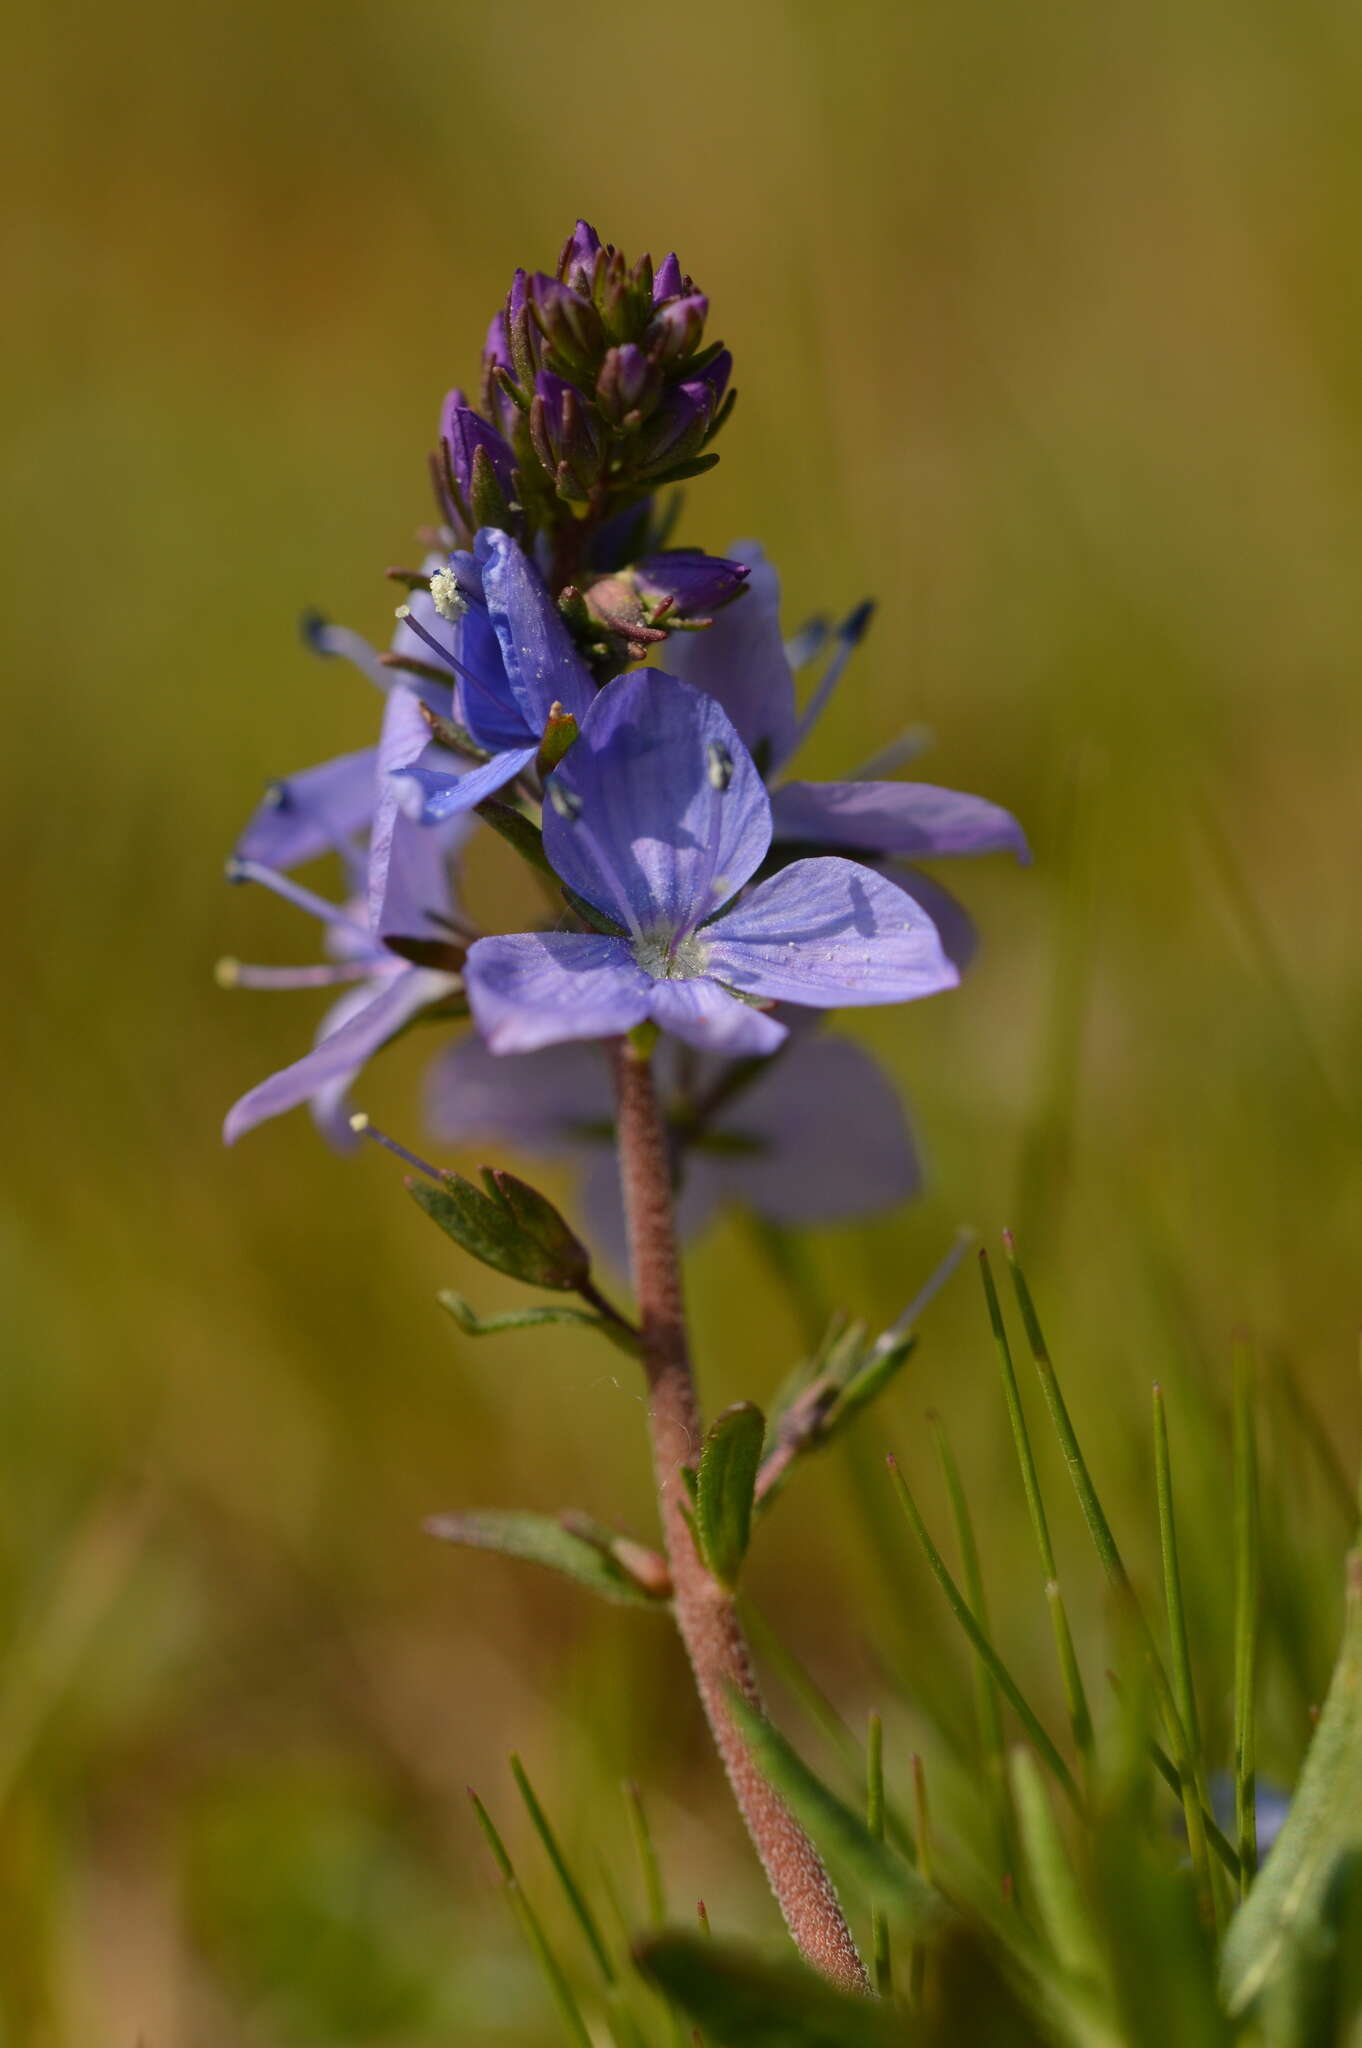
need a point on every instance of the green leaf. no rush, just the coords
(725, 1486)
(512, 1236)
(838, 1831)
(742, 1999)
(474, 1325)
(543, 1540)
(1282, 1911)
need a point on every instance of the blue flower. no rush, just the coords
(512, 661)
(656, 819)
(744, 663)
(392, 944)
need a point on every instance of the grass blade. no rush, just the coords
(1246, 1600)
(647, 1854)
(572, 1891)
(559, 1989)
(882, 1960)
(988, 1707)
(980, 1641)
(1075, 1696)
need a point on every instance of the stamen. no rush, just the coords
(231, 973)
(362, 1128)
(911, 742)
(294, 892)
(964, 1238)
(450, 601)
(465, 674)
(718, 765)
(849, 636)
(325, 639)
(565, 801)
(810, 640)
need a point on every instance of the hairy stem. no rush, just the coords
(705, 1613)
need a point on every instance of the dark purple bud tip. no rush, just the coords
(695, 583)
(670, 281)
(577, 262)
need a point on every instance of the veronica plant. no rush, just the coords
(699, 923)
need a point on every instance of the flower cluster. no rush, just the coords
(699, 890)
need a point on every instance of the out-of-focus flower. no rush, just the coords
(815, 1135)
(655, 820)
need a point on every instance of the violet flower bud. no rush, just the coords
(570, 323)
(675, 329)
(678, 428)
(464, 432)
(670, 280)
(566, 438)
(695, 583)
(629, 381)
(577, 264)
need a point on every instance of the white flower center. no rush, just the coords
(669, 959)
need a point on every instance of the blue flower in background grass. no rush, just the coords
(656, 818)
(744, 663)
(393, 944)
(817, 1135)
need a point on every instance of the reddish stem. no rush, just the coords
(705, 1614)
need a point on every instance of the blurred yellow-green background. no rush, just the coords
(1047, 333)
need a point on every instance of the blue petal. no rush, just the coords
(542, 666)
(706, 1015)
(955, 927)
(833, 1138)
(340, 1056)
(740, 661)
(313, 812)
(435, 796)
(541, 1102)
(657, 814)
(914, 818)
(532, 989)
(828, 932)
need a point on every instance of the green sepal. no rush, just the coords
(474, 1325)
(486, 499)
(725, 1488)
(559, 734)
(518, 831)
(494, 1232)
(681, 471)
(538, 1221)
(542, 1539)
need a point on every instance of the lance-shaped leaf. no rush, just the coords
(838, 1830)
(1283, 1910)
(544, 1540)
(474, 1325)
(741, 1999)
(724, 1488)
(512, 1228)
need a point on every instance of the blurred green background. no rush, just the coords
(1046, 322)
